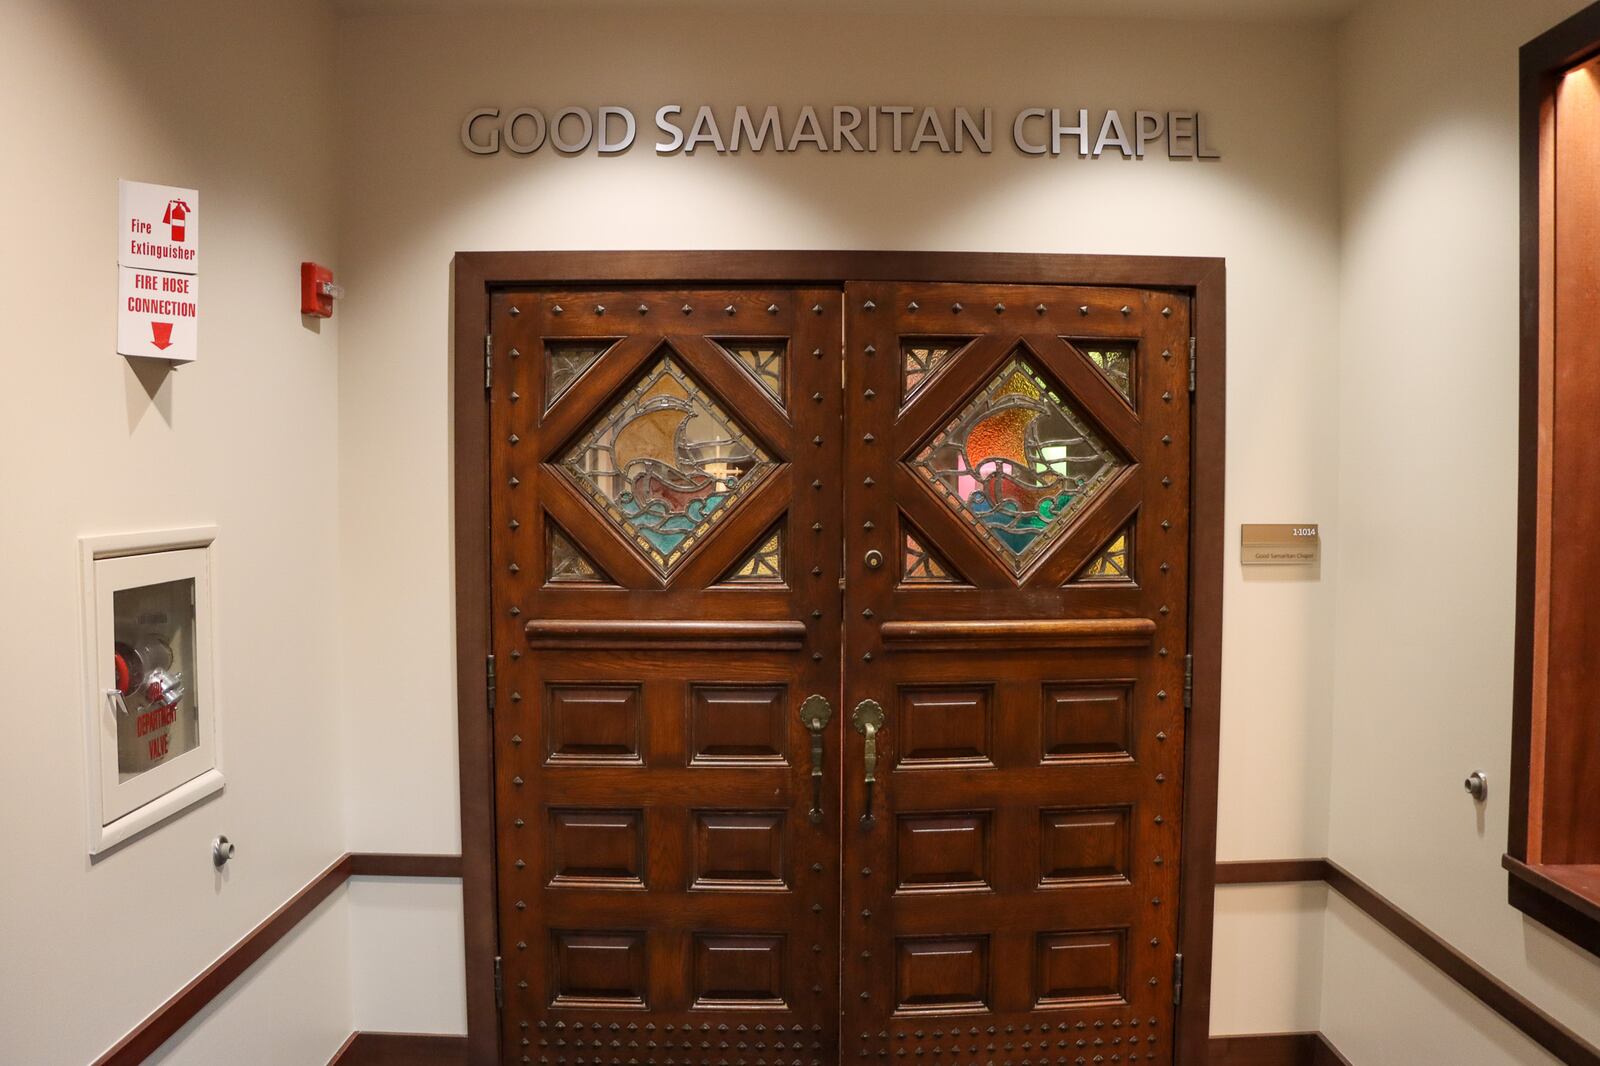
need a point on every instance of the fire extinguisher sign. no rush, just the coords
(158, 267)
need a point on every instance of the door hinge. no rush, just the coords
(488, 361)
(1188, 681)
(1191, 364)
(1177, 978)
(499, 988)
(488, 681)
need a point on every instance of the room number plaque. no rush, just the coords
(1295, 544)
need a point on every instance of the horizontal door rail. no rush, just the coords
(707, 634)
(1029, 634)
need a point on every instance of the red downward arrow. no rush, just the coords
(161, 335)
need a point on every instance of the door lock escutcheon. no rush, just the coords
(874, 559)
(868, 719)
(814, 714)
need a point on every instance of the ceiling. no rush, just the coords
(1274, 10)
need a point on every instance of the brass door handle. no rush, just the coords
(868, 719)
(815, 713)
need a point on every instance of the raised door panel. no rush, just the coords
(1016, 572)
(665, 597)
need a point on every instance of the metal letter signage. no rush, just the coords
(158, 271)
(682, 129)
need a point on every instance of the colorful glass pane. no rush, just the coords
(764, 566)
(665, 463)
(922, 567)
(565, 362)
(1114, 563)
(764, 361)
(921, 356)
(1018, 463)
(1114, 361)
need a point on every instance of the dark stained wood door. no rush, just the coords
(980, 547)
(666, 528)
(1016, 568)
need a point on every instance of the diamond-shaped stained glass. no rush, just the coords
(666, 463)
(1018, 463)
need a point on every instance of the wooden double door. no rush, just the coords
(839, 673)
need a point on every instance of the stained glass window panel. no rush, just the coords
(568, 563)
(1019, 463)
(1115, 361)
(922, 567)
(764, 566)
(565, 362)
(763, 359)
(1114, 562)
(921, 356)
(666, 463)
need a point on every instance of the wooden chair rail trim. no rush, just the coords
(685, 633)
(188, 1001)
(1022, 633)
(1477, 982)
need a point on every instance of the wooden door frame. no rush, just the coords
(476, 275)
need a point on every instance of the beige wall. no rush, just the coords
(245, 438)
(1426, 538)
(411, 197)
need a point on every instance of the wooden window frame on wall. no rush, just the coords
(478, 275)
(1552, 859)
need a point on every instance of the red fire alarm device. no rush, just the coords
(317, 290)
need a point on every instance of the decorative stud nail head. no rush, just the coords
(816, 309)
(913, 306)
(869, 306)
(868, 437)
(1166, 312)
(686, 309)
(772, 309)
(1126, 310)
(868, 482)
(599, 309)
(1083, 309)
(870, 393)
(871, 349)
(729, 309)
(817, 441)
(514, 439)
(1040, 308)
(515, 524)
(515, 311)
(515, 396)
(955, 308)
(515, 353)
(816, 397)
(999, 309)
(644, 309)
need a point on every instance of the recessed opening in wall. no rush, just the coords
(1554, 848)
